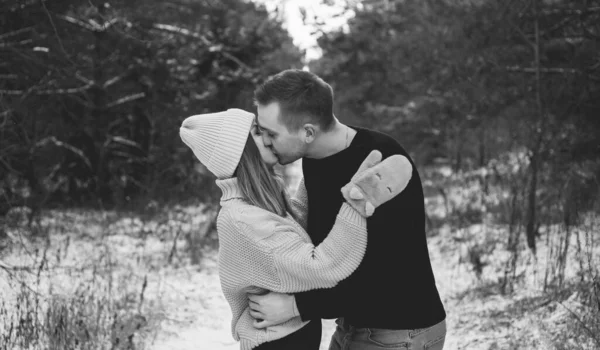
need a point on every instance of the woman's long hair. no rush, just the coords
(258, 183)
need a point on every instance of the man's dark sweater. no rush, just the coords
(394, 286)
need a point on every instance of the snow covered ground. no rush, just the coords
(183, 308)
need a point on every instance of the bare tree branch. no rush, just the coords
(5, 114)
(104, 26)
(116, 79)
(127, 142)
(18, 43)
(582, 323)
(56, 142)
(6, 149)
(523, 35)
(55, 30)
(110, 23)
(235, 59)
(187, 32)
(91, 24)
(556, 26)
(12, 92)
(65, 91)
(589, 33)
(126, 99)
(178, 30)
(16, 32)
(10, 168)
(48, 92)
(76, 21)
(83, 79)
(557, 11)
(19, 5)
(543, 70)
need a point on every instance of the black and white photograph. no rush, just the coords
(299, 174)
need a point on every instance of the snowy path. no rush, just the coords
(479, 317)
(202, 320)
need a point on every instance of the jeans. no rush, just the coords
(306, 338)
(346, 337)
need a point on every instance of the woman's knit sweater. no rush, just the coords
(260, 251)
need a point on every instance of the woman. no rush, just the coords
(263, 246)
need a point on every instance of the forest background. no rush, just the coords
(107, 235)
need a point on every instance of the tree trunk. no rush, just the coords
(514, 233)
(538, 131)
(458, 150)
(531, 202)
(98, 96)
(482, 148)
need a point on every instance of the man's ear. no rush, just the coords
(310, 132)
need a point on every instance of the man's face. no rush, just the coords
(287, 146)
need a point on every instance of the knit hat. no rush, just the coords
(218, 139)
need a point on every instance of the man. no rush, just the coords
(391, 299)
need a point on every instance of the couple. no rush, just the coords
(349, 245)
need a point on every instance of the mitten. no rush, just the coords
(370, 161)
(377, 184)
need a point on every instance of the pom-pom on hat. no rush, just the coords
(218, 139)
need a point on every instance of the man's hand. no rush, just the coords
(272, 309)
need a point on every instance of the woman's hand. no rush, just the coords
(272, 309)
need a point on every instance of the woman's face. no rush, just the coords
(267, 156)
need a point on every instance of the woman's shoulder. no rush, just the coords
(250, 220)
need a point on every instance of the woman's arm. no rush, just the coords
(282, 261)
(299, 204)
(260, 249)
(300, 265)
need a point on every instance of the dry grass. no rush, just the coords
(81, 279)
(89, 318)
(503, 297)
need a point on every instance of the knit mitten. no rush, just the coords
(370, 161)
(377, 183)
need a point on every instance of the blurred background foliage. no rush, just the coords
(466, 83)
(92, 93)
(504, 92)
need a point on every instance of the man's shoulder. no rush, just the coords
(381, 141)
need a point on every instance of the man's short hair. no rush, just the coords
(302, 96)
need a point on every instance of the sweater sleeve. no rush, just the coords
(299, 205)
(298, 264)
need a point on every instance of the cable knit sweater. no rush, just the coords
(260, 251)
